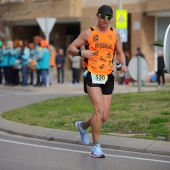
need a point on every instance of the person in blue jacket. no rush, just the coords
(6, 62)
(43, 61)
(15, 54)
(37, 40)
(11, 60)
(24, 57)
(1, 59)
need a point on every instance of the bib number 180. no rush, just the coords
(99, 79)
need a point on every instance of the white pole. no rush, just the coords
(139, 72)
(120, 4)
(47, 34)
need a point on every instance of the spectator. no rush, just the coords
(60, 61)
(43, 58)
(160, 68)
(1, 59)
(15, 54)
(32, 55)
(24, 57)
(75, 60)
(139, 53)
(37, 40)
(6, 65)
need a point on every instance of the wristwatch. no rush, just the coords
(79, 52)
(123, 64)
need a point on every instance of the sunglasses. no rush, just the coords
(108, 17)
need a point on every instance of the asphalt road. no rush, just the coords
(20, 153)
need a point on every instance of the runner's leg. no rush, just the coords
(97, 99)
(107, 104)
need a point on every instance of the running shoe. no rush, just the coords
(83, 135)
(96, 152)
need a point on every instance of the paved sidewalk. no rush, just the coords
(122, 143)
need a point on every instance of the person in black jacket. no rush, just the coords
(60, 61)
(160, 67)
(139, 53)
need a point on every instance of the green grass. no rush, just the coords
(146, 112)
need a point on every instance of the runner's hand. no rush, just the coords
(124, 69)
(88, 53)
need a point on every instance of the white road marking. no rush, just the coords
(77, 151)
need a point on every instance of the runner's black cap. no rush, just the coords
(106, 10)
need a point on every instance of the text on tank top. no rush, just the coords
(104, 44)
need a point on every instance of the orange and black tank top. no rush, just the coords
(104, 44)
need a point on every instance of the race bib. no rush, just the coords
(99, 79)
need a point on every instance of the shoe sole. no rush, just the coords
(79, 132)
(97, 156)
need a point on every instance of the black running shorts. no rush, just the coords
(106, 88)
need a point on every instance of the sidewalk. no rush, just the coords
(122, 143)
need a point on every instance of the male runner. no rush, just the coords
(101, 42)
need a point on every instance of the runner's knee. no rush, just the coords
(99, 112)
(104, 118)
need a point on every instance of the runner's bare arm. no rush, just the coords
(119, 53)
(78, 42)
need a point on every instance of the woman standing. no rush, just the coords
(24, 57)
(15, 54)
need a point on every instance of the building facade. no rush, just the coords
(147, 21)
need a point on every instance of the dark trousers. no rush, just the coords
(76, 75)
(31, 73)
(44, 77)
(38, 73)
(60, 74)
(6, 74)
(24, 75)
(160, 74)
(15, 76)
(10, 78)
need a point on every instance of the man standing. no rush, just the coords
(101, 41)
(76, 63)
(139, 53)
(160, 67)
(60, 61)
